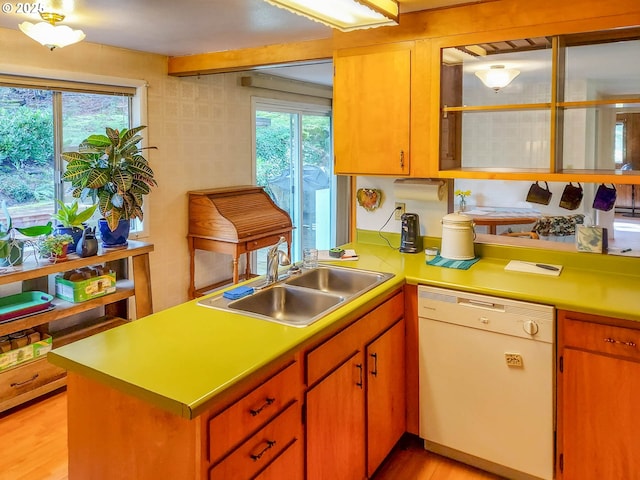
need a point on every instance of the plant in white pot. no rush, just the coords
(11, 247)
(111, 170)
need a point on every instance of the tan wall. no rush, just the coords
(201, 126)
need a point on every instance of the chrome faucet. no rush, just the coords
(275, 257)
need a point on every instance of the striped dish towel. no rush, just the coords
(439, 261)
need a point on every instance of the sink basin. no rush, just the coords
(290, 305)
(303, 298)
(340, 281)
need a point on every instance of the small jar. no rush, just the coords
(5, 344)
(431, 253)
(18, 339)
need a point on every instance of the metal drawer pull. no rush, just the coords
(374, 372)
(256, 456)
(19, 384)
(267, 402)
(360, 383)
(613, 340)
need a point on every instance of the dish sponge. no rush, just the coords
(238, 292)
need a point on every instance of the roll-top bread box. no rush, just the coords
(233, 221)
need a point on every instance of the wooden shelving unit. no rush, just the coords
(32, 379)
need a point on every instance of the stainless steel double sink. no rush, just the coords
(302, 298)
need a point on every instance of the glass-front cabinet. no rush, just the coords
(550, 107)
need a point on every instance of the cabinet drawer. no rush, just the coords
(262, 242)
(27, 377)
(289, 465)
(613, 340)
(258, 451)
(231, 426)
(338, 348)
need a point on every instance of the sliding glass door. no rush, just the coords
(294, 162)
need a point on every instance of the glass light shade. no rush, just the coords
(51, 36)
(345, 15)
(497, 76)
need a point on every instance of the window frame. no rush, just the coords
(58, 82)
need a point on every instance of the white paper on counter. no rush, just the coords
(530, 267)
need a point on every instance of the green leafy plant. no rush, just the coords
(111, 170)
(53, 245)
(68, 215)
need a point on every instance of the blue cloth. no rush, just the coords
(439, 261)
(238, 292)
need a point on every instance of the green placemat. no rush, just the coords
(439, 261)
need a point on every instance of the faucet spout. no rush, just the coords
(275, 258)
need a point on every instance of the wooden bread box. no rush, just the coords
(233, 221)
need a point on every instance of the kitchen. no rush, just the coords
(172, 101)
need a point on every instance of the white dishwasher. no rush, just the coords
(487, 381)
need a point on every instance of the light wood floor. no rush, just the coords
(33, 446)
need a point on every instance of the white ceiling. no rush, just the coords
(187, 27)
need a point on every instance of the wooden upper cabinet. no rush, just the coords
(372, 110)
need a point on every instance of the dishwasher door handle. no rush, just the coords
(469, 302)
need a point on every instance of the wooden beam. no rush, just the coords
(310, 51)
(505, 18)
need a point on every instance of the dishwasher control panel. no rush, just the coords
(495, 314)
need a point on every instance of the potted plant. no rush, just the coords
(111, 170)
(71, 221)
(54, 247)
(12, 248)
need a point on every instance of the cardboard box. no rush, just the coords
(83, 290)
(25, 354)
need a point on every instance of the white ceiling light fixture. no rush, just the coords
(497, 77)
(49, 34)
(345, 15)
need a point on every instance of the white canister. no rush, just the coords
(458, 234)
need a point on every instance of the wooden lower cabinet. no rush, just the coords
(355, 414)
(386, 404)
(335, 423)
(332, 410)
(598, 392)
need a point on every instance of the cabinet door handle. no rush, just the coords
(256, 456)
(374, 372)
(360, 383)
(401, 158)
(255, 411)
(621, 342)
(19, 384)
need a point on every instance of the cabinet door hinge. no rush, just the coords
(561, 364)
(561, 461)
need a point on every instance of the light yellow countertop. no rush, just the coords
(182, 358)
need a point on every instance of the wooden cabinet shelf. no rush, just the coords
(27, 381)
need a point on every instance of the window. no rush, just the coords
(37, 122)
(294, 161)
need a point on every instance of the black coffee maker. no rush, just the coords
(410, 239)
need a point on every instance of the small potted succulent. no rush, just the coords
(54, 247)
